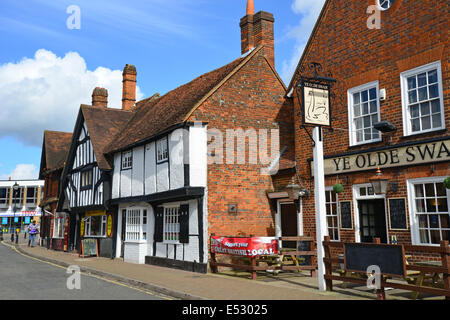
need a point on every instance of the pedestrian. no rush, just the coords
(33, 230)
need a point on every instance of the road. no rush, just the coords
(25, 278)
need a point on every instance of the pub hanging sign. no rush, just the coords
(315, 103)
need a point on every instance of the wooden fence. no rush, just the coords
(418, 272)
(286, 260)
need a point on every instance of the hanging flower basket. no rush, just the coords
(338, 188)
(447, 182)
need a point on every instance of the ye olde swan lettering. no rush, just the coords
(394, 157)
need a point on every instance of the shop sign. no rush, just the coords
(95, 213)
(316, 103)
(246, 247)
(4, 221)
(408, 155)
(109, 226)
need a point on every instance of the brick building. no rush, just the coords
(54, 226)
(177, 177)
(395, 78)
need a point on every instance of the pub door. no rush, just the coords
(288, 223)
(372, 220)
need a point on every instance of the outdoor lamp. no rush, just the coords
(379, 184)
(293, 191)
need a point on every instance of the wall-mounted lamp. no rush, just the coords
(379, 184)
(294, 192)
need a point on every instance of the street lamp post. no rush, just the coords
(15, 191)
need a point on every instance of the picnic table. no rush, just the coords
(419, 278)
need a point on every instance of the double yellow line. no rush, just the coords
(87, 274)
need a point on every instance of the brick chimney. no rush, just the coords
(256, 30)
(129, 87)
(100, 97)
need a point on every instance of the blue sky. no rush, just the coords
(47, 70)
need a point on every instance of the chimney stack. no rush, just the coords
(256, 30)
(100, 97)
(129, 87)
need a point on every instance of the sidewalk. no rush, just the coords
(187, 285)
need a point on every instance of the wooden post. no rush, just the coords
(213, 256)
(445, 256)
(381, 295)
(328, 265)
(313, 248)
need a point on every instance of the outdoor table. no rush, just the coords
(418, 278)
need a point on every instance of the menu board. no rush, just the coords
(397, 214)
(346, 214)
(89, 247)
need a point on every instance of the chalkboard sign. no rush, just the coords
(389, 258)
(304, 246)
(89, 248)
(346, 214)
(106, 248)
(397, 214)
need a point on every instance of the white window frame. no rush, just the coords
(127, 160)
(6, 200)
(136, 224)
(87, 227)
(404, 90)
(413, 217)
(330, 190)
(162, 150)
(173, 227)
(58, 225)
(351, 116)
(86, 179)
(33, 203)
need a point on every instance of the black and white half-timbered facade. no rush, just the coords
(85, 182)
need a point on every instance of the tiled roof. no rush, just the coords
(103, 125)
(56, 147)
(152, 116)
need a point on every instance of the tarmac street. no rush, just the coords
(25, 278)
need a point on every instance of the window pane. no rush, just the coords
(422, 79)
(434, 221)
(424, 109)
(435, 236)
(359, 123)
(429, 189)
(415, 125)
(375, 134)
(423, 93)
(444, 221)
(362, 191)
(365, 108)
(426, 123)
(412, 96)
(423, 221)
(414, 111)
(373, 107)
(446, 235)
(418, 190)
(367, 122)
(420, 205)
(356, 99)
(412, 82)
(367, 134)
(435, 106)
(432, 76)
(364, 96)
(431, 205)
(436, 118)
(434, 92)
(357, 110)
(424, 236)
(442, 205)
(440, 190)
(373, 94)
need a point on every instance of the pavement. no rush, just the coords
(227, 285)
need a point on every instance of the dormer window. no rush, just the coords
(162, 150)
(127, 160)
(385, 4)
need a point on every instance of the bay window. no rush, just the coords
(58, 225)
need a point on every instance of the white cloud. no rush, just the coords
(309, 11)
(22, 172)
(45, 92)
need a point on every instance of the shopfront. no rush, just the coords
(98, 225)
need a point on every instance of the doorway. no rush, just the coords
(123, 233)
(289, 224)
(372, 219)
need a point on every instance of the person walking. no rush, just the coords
(33, 230)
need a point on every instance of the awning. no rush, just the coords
(21, 214)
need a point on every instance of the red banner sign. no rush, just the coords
(246, 247)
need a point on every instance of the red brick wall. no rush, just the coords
(413, 33)
(251, 98)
